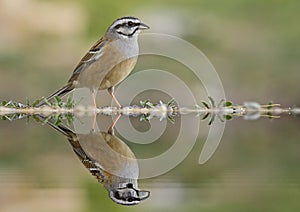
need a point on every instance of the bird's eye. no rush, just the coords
(130, 23)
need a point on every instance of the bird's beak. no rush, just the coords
(143, 26)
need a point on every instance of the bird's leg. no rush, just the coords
(111, 128)
(94, 120)
(94, 98)
(111, 92)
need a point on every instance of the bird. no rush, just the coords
(109, 159)
(109, 61)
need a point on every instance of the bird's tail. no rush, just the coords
(60, 93)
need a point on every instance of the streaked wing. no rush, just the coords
(93, 54)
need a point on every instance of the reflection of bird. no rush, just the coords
(110, 160)
(109, 61)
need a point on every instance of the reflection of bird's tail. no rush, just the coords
(60, 128)
(60, 93)
(71, 136)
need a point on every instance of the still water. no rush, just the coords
(46, 165)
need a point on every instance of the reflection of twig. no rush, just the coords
(148, 110)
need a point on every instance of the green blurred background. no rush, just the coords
(254, 46)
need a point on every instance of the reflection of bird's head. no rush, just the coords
(128, 195)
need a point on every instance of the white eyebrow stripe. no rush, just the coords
(122, 21)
